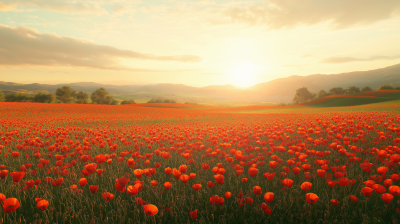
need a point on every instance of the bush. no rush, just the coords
(366, 89)
(386, 86)
(128, 102)
(1, 96)
(159, 100)
(17, 97)
(44, 98)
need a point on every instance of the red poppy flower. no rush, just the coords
(395, 190)
(196, 187)
(257, 190)
(379, 188)
(10, 205)
(306, 186)
(17, 176)
(219, 178)
(82, 182)
(367, 191)
(42, 204)
(150, 209)
(269, 197)
(2, 197)
(93, 188)
(353, 199)
(107, 196)
(167, 185)
(193, 214)
(335, 202)
(387, 198)
(227, 195)
(253, 172)
(311, 198)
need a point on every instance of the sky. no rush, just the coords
(193, 42)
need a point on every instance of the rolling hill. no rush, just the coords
(278, 90)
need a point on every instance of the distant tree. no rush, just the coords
(128, 102)
(397, 87)
(65, 94)
(366, 89)
(281, 104)
(101, 96)
(322, 93)
(1, 96)
(17, 97)
(44, 98)
(386, 86)
(336, 91)
(303, 95)
(82, 98)
(353, 89)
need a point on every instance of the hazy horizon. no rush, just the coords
(196, 43)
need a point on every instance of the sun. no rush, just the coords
(242, 74)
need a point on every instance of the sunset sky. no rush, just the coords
(193, 42)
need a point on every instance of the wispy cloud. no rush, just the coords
(340, 60)
(25, 46)
(278, 14)
(64, 6)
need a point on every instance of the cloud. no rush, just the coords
(340, 60)
(278, 14)
(6, 6)
(21, 46)
(119, 9)
(64, 6)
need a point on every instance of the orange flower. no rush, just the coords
(10, 205)
(167, 185)
(192, 175)
(107, 196)
(42, 204)
(287, 182)
(193, 214)
(182, 168)
(2, 197)
(269, 197)
(321, 173)
(219, 178)
(133, 189)
(311, 198)
(138, 173)
(387, 198)
(382, 170)
(227, 195)
(306, 186)
(150, 209)
(184, 178)
(154, 183)
(196, 187)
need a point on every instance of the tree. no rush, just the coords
(303, 95)
(322, 93)
(65, 94)
(101, 96)
(336, 91)
(1, 96)
(17, 97)
(82, 98)
(353, 89)
(397, 87)
(128, 102)
(366, 89)
(44, 98)
(386, 86)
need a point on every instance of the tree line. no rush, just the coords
(304, 95)
(65, 94)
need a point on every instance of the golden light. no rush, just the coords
(242, 74)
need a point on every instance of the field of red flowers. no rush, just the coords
(67, 163)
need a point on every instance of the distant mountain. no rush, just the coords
(278, 90)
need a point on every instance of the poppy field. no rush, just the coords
(70, 163)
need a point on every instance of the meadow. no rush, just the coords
(163, 163)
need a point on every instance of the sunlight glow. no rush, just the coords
(242, 74)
